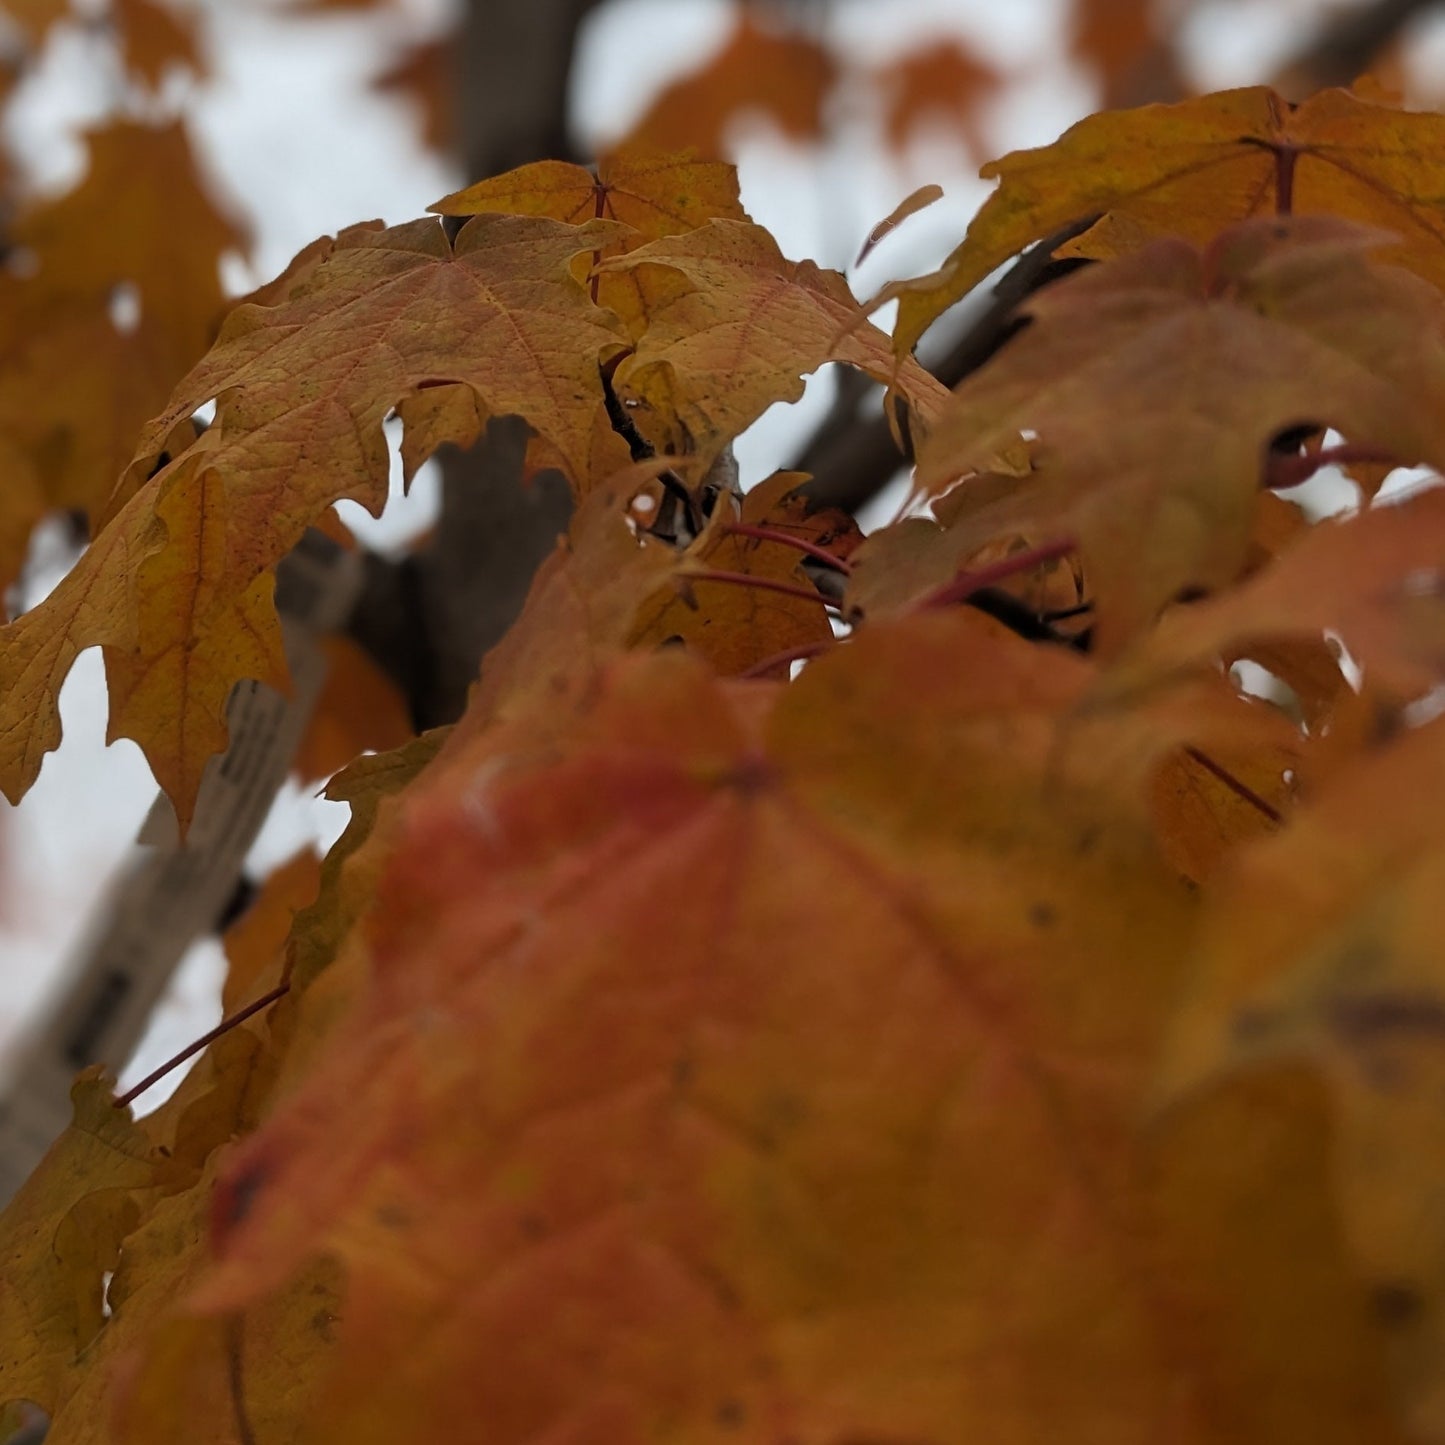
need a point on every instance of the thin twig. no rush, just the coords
(763, 584)
(236, 1378)
(967, 583)
(772, 534)
(224, 1027)
(804, 652)
(1348, 44)
(1290, 471)
(1241, 789)
(852, 455)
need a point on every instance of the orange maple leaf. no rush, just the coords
(733, 329)
(944, 81)
(427, 77)
(155, 37)
(95, 336)
(786, 78)
(1374, 580)
(700, 1159)
(1193, 168)
(382, 314)
(1155, 383)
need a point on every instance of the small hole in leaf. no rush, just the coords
(125, 307)
(1423, 582)
(1422, 710)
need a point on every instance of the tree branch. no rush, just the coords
(853, 455)
(428, 619)
(1347, 45)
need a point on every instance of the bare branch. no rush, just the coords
(1348, 44)
(853, 455)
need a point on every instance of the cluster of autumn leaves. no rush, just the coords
(975, 1037)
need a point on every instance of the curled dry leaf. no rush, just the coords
(910, 205)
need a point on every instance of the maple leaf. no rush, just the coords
(741, 626)
(81, 376)
(59, 1236)
(946, 81)
(1193, 168)
(655, 194)
(786, 78)
(373, 318)
(362, 326)
(706, 1156)
(380, 314)
(1120, 41)
(156, 38)
(359, 710)
(426, 76)
(168, 250)
(1321, 949)
(1374, 580)
(1281, 321)
(739, 334)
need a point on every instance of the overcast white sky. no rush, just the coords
(300, 145)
